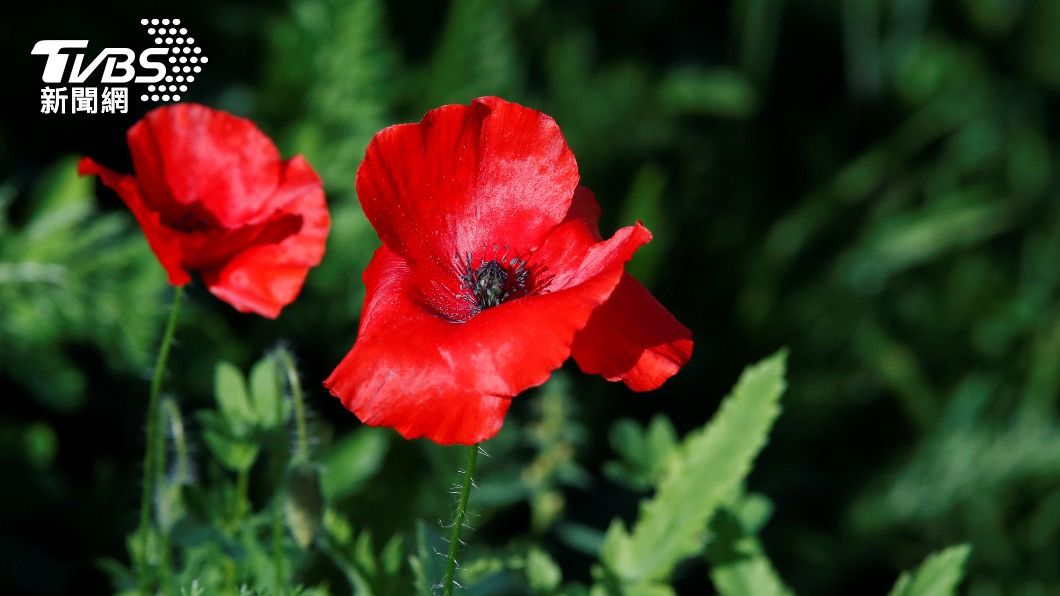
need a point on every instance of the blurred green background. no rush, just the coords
(869, 183)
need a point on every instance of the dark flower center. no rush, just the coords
(191, 221)
(491, 280)
(494, 281)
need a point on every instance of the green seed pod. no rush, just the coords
(304, 507)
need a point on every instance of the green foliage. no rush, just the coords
(70, 274)
(646, 203)
(245, 414)
(368, 572)
(870, 183)
(722, 93)
(352, 460)
(331, 61)
(646, 452)
(474, 55)
(708, 466)
(425, 565)
(739, 567)
(938, 575)
(542, 574)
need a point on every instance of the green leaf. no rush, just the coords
(739, 566)
(230, 391)
(710, 464)
(938, 575)
(266, 394)
(542, 573)
(352, 461)
(581, 538)
(721, 93)
(234, 453)
(646, 452)
(956, 220)
(392, 555)
(426, 567)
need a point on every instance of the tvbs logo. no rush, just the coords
(118, 63)
(166, 69)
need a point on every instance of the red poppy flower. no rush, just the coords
(212, 196)
(491, 274)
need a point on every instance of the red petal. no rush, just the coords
(631, 337)
(164, 242)
(266, 277)
(634, 339)
(424, 375)
(192, 161)
(398, 373)
(466, 178)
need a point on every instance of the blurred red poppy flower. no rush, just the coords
(491, 274)
(213, 196)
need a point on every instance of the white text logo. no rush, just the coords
(164, 71)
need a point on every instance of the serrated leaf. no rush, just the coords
(938, 575)
(230, 391)
(709, 464)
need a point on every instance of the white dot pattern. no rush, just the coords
(181, 50)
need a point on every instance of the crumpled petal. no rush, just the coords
(631, 337)
(164, 242)
(424, 375)
(265, 277)
(466, 178)
(212, 196)
(198, 166)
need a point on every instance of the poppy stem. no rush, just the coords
(302, 449)
(458, 520)
(154, 449)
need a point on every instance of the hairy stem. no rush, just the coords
(153, 450)
(458, 520)
(182, 465)
(279, 467)
(302, 449)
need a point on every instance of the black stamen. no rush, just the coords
(493, 281)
